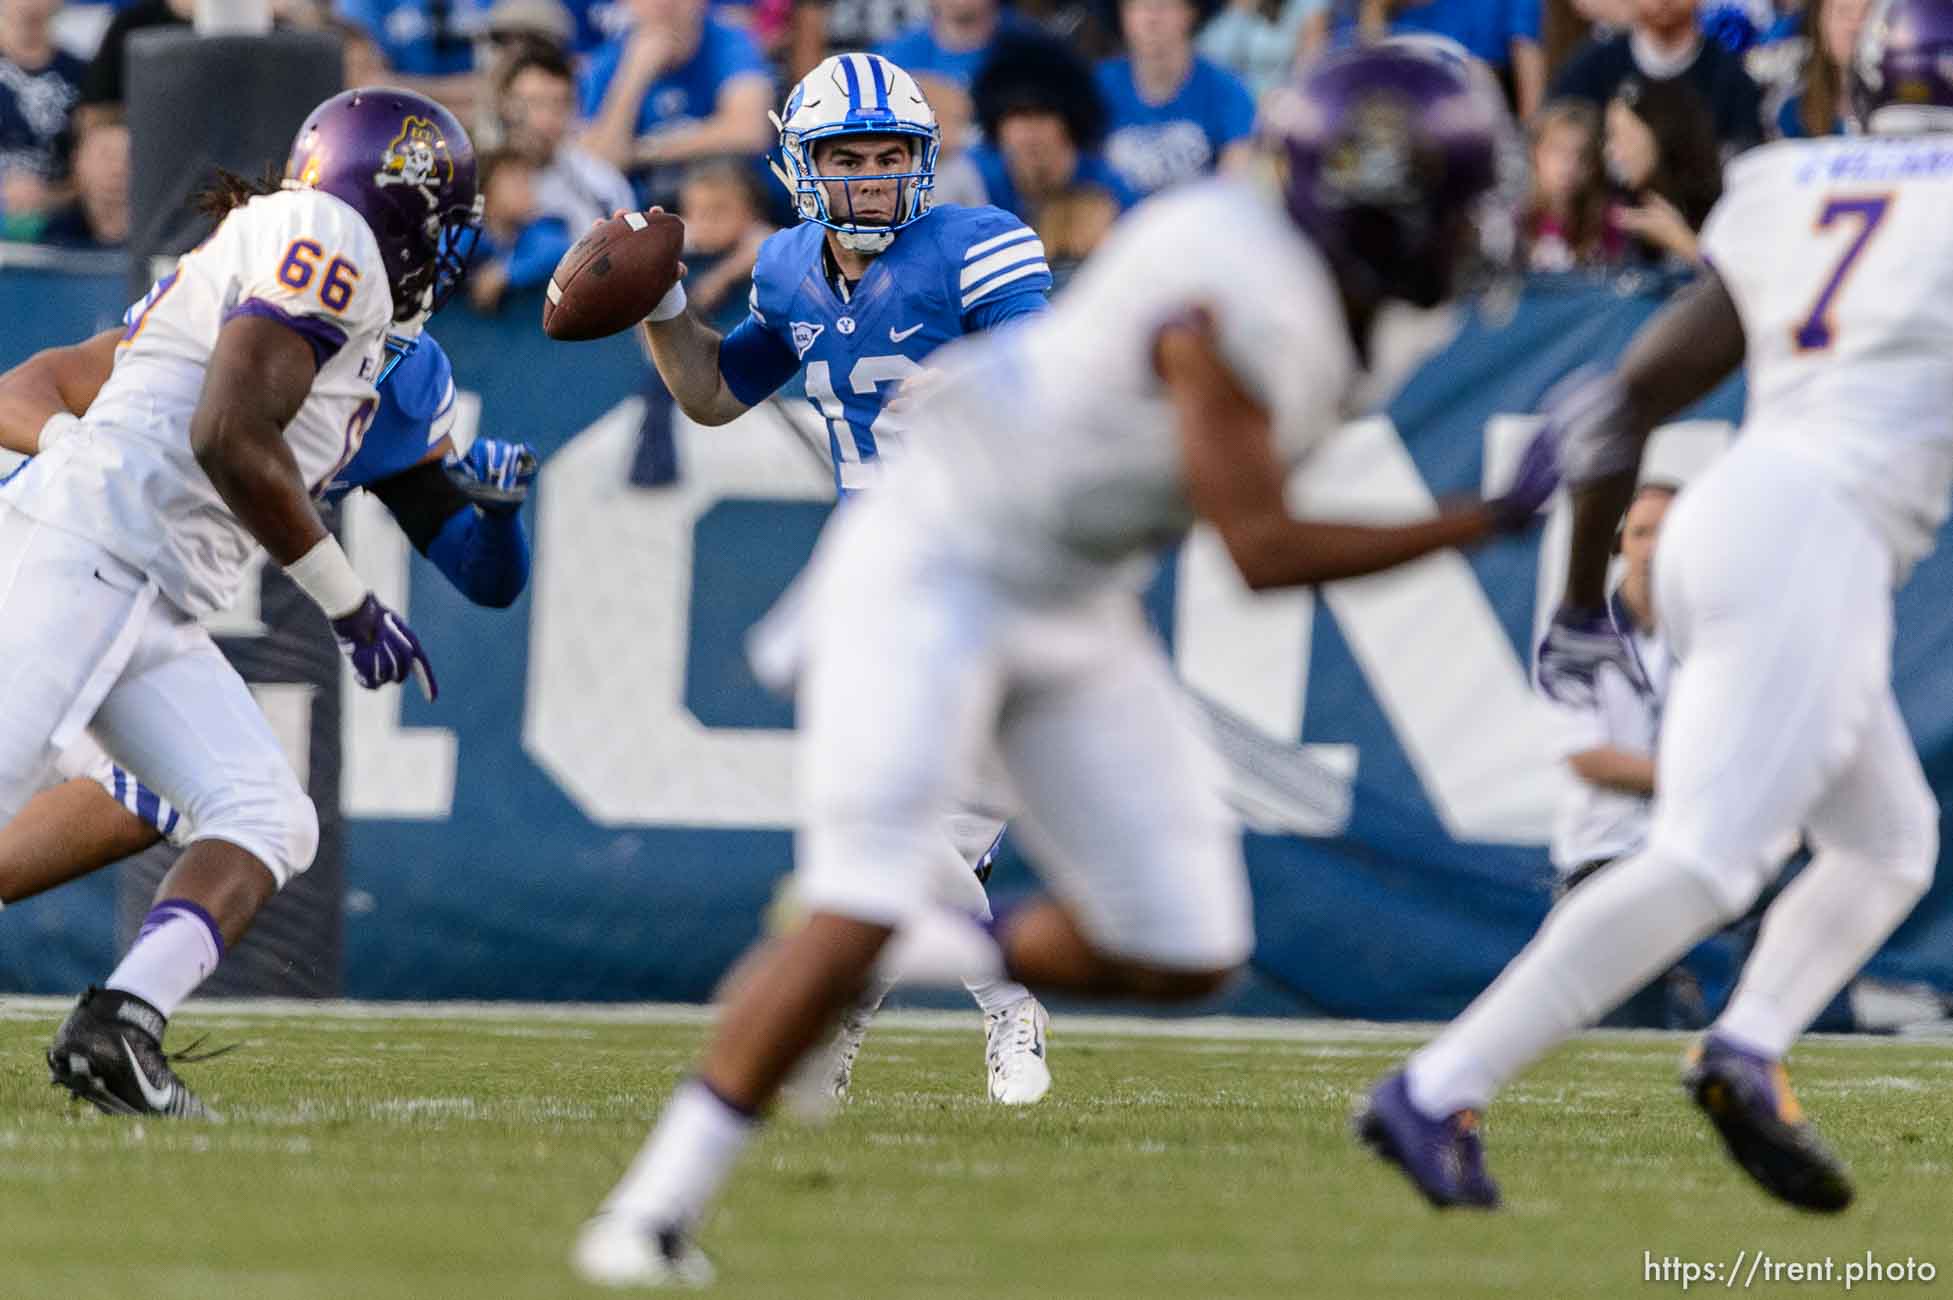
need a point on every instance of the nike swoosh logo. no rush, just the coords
(896, 336)
(159, 1099)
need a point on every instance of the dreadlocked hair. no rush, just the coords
(230, 191)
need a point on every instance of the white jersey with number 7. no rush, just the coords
(1838, 255)
(128, 479)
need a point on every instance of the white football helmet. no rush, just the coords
(856, 94)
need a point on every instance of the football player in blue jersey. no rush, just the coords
(462, 512)
(873, 279)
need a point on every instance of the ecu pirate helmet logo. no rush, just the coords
(417, 158)
(1376, 162)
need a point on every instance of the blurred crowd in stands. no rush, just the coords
(1065, 112)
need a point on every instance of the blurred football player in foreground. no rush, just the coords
(244, 386)
(873, 279)
(986, 600)
(1831, 278)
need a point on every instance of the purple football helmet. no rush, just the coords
(406, 165)
(1402, 164)
(1902, 71)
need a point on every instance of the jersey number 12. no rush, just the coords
(865, 377)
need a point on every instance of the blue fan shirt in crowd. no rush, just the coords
(955, 271)
(34, 108)
(416, 411)
(688, 92)
(1092, 171)
(418, 41)
(918, 53)
(1485, 27)
(1156, 145)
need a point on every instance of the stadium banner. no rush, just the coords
(599, 805)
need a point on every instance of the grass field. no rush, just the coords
(432, 1155)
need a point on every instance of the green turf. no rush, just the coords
(454, 1158)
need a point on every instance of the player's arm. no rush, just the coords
(686, 352)
(1679, 357)
(55, 383)
(1236, 483)
(716, 378)
(478, 545)
(1615, 769)
(259, 375)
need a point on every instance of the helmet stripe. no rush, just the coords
(853, 80)
(875, 75)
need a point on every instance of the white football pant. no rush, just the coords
(1776, 595)
(87, 642)
(920, 672)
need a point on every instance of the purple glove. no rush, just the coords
(1533, 481)
(382, 647)
(1577, 642)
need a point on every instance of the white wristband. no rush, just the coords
(57, 427)
(670, 307)
(328, 577)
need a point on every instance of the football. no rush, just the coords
(613, 276)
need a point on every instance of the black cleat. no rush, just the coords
(109, 1052)
(1748, 1098)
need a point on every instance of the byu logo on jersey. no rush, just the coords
(804, 336)
(414, 157)
(845, 324)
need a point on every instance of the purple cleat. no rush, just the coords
(1444, 1157)
(1748, 1098)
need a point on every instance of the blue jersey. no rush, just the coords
(416, 412)
(955, 271)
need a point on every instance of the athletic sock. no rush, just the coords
(1604, 941)
(996, 995)
(1824, 926)
(175, 951)
(685, 1161)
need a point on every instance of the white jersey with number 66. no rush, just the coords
(1838, 255)
(128, 479)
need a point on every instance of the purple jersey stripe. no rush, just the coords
(325, 337)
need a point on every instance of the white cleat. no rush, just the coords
(1015, 1054)
(818, 1087)
(616, 1250)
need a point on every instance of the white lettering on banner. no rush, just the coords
(1433, 651)
(245, 617)
(389, 770)
(609, 636)
(609, 627)
(287, 707)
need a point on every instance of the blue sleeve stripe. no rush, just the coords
(974, 273)
(1009, 277)
(121, 790)
(148, 806)
(974, 251)
(444, 419)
